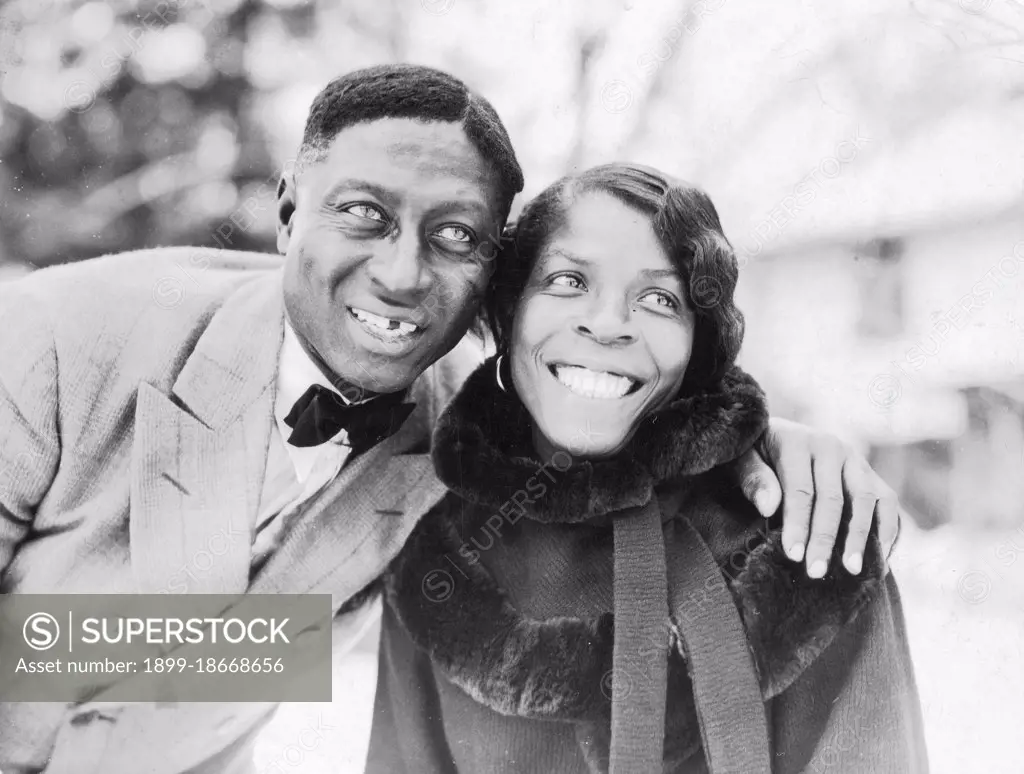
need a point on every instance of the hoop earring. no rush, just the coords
(497, 373)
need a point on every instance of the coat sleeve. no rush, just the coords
(29, 442)
(856, 709)
(407, 735)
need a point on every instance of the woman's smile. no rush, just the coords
(590, 383)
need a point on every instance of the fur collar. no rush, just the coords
(557, 669)
(789, 619)
(482, 448)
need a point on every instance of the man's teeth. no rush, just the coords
(394, 327)
(593, 384)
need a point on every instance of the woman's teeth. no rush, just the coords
(393, 328)
(593, 384)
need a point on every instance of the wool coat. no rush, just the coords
(498, 651)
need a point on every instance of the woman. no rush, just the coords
(583, 467)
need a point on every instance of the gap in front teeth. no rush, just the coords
(593, 384)
(383, 323)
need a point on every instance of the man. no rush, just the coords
(144, 428)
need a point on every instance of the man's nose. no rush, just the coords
(399, 267)
(607, 322)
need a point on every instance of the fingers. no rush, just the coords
(872, 499)
(887, 511)
(862, 501)
(793, 462)
(759, 484)
(822, 481)
(827, 467)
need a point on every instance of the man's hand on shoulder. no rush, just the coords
(820, 480)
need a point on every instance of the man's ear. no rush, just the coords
(286, 199)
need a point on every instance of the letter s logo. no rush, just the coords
(41, 631)
(438, 585)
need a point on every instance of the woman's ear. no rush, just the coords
(286, 202)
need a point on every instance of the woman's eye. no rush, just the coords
(568, 281)
(455, 234)
(366, 211)
(661, 298)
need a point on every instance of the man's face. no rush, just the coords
(386, 240)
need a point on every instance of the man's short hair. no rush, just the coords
(411, 91)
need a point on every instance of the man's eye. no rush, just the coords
(366, 211)
(455, 234)
(568, 281)
(661, 298)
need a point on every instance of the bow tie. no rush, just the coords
(320, 414)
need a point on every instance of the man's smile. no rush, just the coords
(385, 336)
(386, 328)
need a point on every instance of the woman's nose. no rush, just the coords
(607, 323)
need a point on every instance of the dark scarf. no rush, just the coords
(553, 669)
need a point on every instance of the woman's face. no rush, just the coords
(603, 332)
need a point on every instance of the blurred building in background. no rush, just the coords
(913, 344)
(866, 158)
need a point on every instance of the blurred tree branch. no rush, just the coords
(119, 197)
(155, 122)
(943, 85)
(590, 45)
(984, 21)
(657, 85)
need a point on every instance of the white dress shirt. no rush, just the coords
(296, 474)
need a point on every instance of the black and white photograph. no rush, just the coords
(511, 387)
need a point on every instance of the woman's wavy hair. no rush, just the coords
(686, 224)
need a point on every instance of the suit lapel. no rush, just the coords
(199, 462)
(199, 454)
(346, 535)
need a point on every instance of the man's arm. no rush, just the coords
(820, 479)
(29, 443)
